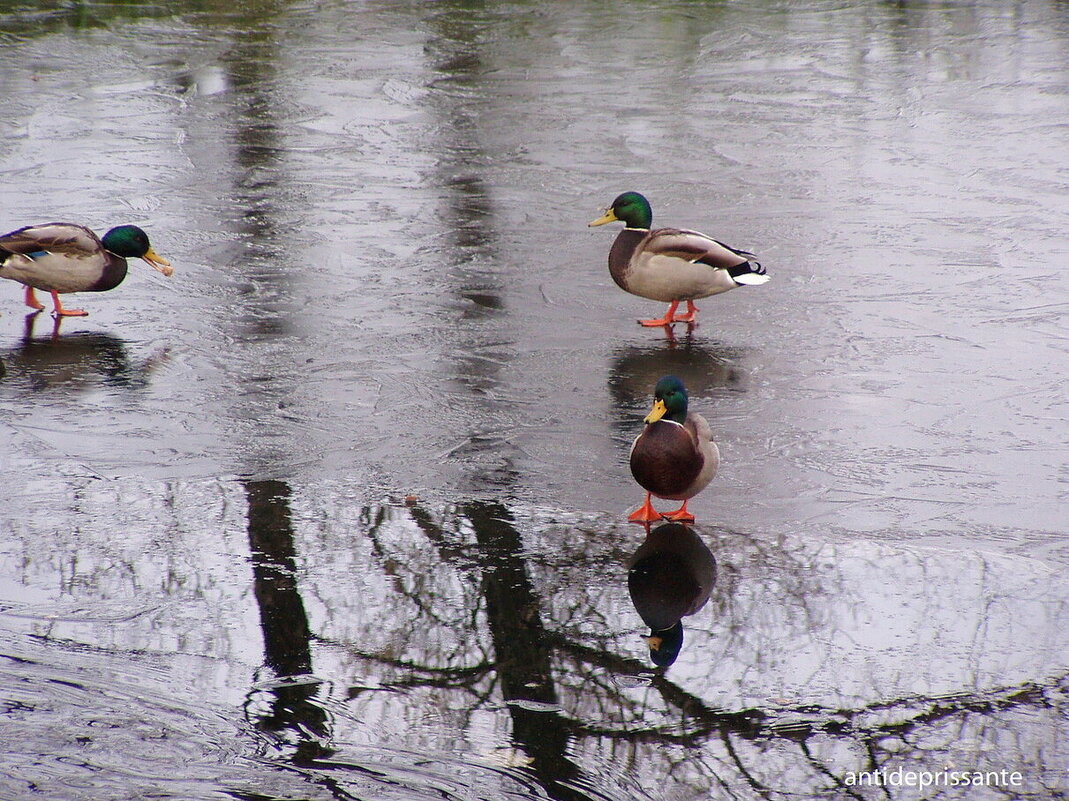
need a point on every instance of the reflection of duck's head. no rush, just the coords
(669, 577)
(666, 645)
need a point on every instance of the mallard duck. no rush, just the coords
(674, 457)
(669, 577)
(63, 257)
(672, 264)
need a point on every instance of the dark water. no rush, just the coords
(337, 512)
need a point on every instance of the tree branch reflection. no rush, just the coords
(288, 709)
(569, 693)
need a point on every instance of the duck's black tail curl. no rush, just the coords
(751, 267)
(750, 272)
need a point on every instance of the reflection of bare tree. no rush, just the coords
(523, 653)
(290, 714)
(570, 694)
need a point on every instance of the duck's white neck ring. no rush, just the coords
(666, 420)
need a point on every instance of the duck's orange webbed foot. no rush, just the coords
(30, 299)
(645, 514)
(668, 319)
(59, 311)
(690, 317)
(680, 515)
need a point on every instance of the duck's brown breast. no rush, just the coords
(623, 248)
(665, 460)
(112, 274)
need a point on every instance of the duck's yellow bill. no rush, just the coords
(158, 262)
(655, 642)
(656, 413)
(608, 217)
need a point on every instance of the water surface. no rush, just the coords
(338, 510)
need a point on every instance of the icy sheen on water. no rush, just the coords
(337, 511)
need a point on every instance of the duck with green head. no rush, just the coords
(674, 457)
(672, 265)
(63, 257)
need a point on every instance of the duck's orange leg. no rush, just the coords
(31, 300)
(680, 515)
(645, 514)
(668, 319)
(59, 311)
(691, 315)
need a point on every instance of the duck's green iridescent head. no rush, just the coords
(670, 401)
(630, 208)
(131, 242)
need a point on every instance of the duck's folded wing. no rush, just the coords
(698, 428)
(60, 238)
(694, 246)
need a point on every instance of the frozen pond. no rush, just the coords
(338, 511)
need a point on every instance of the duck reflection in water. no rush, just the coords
(709, 370)
(73, 361)
(669, 577)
